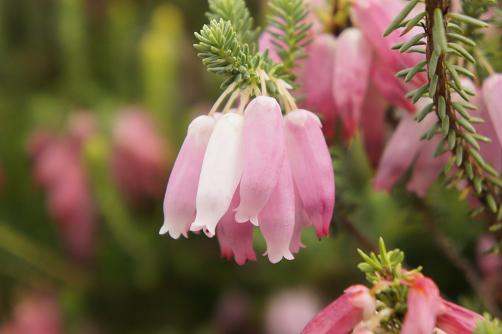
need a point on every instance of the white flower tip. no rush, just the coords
(254, 220)
(208, 229)
(242, 217)
(276, 257)
(164, 229)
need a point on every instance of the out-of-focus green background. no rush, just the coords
(62, 56)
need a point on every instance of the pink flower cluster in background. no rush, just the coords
(59, 169)
(351, 77)
(235, 171)
(140, 158)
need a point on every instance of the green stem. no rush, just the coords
(39, 257)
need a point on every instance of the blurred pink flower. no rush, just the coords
(235, 171)
(401, 150)
(289, 311)
(140, 157)
(58, 168)
(35, 313)
(489, 263)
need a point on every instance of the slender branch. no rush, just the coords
(447, 247)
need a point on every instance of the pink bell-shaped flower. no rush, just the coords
(181, 192)
(277, 219)
(221, 172)
(373, 17)
(353, 58)
(423, 305)
(343, 315)
(312, 168)
(316, 80)
(456, 319)
(236, 239)
(264, 151)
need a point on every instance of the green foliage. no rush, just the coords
(223, 53)
(489, 326)
(241, 20)
(289, 30)
(387, 265)
(451, 43)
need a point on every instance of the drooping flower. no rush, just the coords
(423, 305)
(181, 192)
(401, 150)
(373, 124)
(277, 219)
(220, 173)
(139, 158)
(262, 161)
(453, 318)
(344, 314)
(237, 170)
(316, 80)
(353, 59)
(312, 168)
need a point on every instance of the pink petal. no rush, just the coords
(401, 150)
(427, 168)
(342, 315)
(277, 219)
(264, 150)
(220, 173)
(423, 305)
(301, 221)
(316, 80)
(312, 167)
(353, 58)
(373, 17)
(373, 124)
(236, 239)
(391, 87)
(265, 44)
(456, 319)
(179, 202)
(492, 94)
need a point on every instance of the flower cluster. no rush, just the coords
(261, 168)
(405, 148)
(351, 77)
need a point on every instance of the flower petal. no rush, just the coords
(312, 167)
(264, 149)
(220, 174)
(179, 201)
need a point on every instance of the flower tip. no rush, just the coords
(164, 229)
(276, 257)
(208, 229)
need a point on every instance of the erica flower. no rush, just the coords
(255, 167)
(344, 314)
(139, 156)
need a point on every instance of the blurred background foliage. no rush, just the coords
(62, 56)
